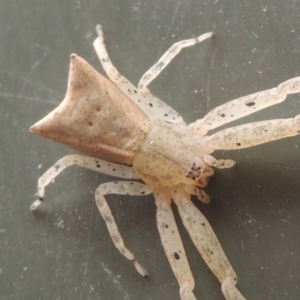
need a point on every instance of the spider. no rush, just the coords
(129, 133)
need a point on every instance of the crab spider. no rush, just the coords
(129, 133)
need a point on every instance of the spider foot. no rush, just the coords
(35, 204)
(99, 31)
(140, 268)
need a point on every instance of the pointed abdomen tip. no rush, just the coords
(32, 128)
(36, 129)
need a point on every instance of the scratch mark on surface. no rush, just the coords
(17, 262)
(208, 79)
(290, 26)
(173, 17)
(9, 95)
(17, 295)
(26, 80)
(116, 282)
(253, 220)
(35, 65)
(261, 59)
(286, 221)
(87, 256)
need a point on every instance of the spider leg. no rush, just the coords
(244, 106)
(218, 163)
(173, 246)
(251, 134)
(152, 106)
(122, 188)
(207, 244)
(91, 163)
(167, 57)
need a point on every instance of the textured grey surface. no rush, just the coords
(63, 251)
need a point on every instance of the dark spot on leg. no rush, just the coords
(160, 65)
(250, 104)
(108, 219)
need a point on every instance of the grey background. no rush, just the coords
(63, 251)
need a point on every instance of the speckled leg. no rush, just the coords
(173, 246)
(152, 106)
(218, 163)
(244, 106)
(122, 188)
(207, 244)
(251, 134)
(94, 164)
(154, 71)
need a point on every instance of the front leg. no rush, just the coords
(91, 163)
(207, 244)
(121, 188)
(172, 244)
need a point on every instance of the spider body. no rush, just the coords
(129, 133)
